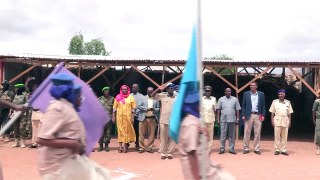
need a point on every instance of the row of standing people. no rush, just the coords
(27, 124)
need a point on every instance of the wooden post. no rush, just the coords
(97, 75)
(79, 69)
(23, 73)
(222, 78)
(163, 72)
(144, 75)
(254, 79)
(237, 95)
(303, 81)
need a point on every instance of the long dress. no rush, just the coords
(126, 132)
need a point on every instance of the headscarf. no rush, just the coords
(121, 97)
(191, 104)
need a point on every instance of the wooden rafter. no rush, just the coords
(303, 76)
(172, 69)
(303, 81)
(222, 78)
(145, 75)
(173, 79)
(99, 73)
(254, 79)
(123, 76)
(107, 80)
(23, 73)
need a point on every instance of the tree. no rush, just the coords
(223, 71)
(76, 44)
(93, 47)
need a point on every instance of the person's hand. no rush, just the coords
(272, 122)
(218, 121)
(203, 130)
(289, 125)
(237, 121)
(113, 119)
(20, 108)
(261, 118)
(132, 118)
(244, 118)
(314, 122)
(77, 147)
(150, 109)
(162, 87)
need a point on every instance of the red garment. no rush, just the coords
(121, 97)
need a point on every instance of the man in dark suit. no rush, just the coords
(253, 113)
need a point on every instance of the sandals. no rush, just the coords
(120, 150)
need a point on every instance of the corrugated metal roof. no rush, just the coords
(118, 60)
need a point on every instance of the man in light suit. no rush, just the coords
(253, 114)
(148, 109)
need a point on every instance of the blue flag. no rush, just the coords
(189, 82)
(92, 113)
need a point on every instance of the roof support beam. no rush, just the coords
(254, 79)
(222, 78)
(145, 75)
(107, 80)
(303, 81)
(23, 73)
(97, 75)
(123, 76)
(173, 79)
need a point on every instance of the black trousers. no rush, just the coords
(136, 130)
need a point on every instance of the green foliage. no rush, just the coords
(223, 71)
(76, 44)
(93, 47)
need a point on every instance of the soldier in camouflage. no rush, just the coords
(6, 95)
(107, 102)
(22, 126)
(316, 122)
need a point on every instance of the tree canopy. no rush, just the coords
(77, 46)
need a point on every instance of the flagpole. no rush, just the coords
(203, 158)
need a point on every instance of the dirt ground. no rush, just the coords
(302, 163)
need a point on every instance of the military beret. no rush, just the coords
(18, 85)
(105, 88)
(62, 79)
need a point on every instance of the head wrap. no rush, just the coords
(105, 88)
(121, 97)
(63, 87)
(281, 91)
(191, 104)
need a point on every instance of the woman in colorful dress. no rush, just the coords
(123, 115)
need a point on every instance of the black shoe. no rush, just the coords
(245, 151)
(33, 146)
(141, 150)
(276, 153)
(106, 147)
(232, 152)
(150, 151)
(285, 153)
(100, 148)
(169, 157)
(163, 157)
(257, 152)
(221, 151)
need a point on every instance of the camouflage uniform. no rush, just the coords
(7, 96)
(316, 109)
(22, 126)
(106, 136)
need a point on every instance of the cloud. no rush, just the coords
(244, 29)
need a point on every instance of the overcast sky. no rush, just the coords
(242, 29)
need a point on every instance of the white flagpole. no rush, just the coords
(203, 157)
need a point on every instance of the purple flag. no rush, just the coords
(92, 113)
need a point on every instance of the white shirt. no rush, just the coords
(254, 102)
(209, 107)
